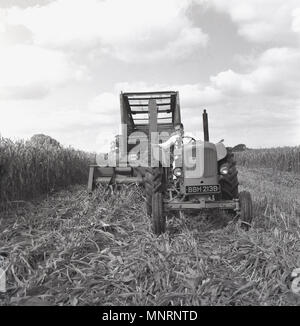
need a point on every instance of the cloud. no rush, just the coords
(106, 106)
(78, 127)
(296, 20)
(244, 106)
(104, 103)
(22, 3)
(30, 72)
(262, 21)
(23, 92)
(43, 47)
(254, 120)
(131, 31)
(14, 34)
(276, 73)
(191, 95)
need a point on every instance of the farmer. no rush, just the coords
(173, 146)
(175, 139)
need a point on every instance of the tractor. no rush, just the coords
(193, 175)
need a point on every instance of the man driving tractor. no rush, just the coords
(173, 146)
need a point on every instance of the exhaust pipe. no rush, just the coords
(205, 126)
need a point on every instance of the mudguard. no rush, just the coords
(221, 151)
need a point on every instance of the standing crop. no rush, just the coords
(31, 168)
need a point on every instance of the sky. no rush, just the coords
(63, 64)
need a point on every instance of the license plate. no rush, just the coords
(203, 189)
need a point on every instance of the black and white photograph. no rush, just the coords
(149, 155)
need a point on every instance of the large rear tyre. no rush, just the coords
(229, 182)
(158, 216)
(246, 209)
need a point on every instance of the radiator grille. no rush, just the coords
(206, 167)
(210, 162)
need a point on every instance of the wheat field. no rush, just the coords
(39, 166)
(278, 159)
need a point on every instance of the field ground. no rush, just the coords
(72, 249)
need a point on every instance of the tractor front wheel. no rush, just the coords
(148, 190)
(158, 216)
(154, 199)
(246, 209)
(153, 182)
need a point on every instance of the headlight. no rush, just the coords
(224, 169)
(177, 172)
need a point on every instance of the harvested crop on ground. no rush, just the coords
(76, 249)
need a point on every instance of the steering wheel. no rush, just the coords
(191, 138)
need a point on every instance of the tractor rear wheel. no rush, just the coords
(229, 182)
(246, 209)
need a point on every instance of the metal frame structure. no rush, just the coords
(145, 112)
(136, 113)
